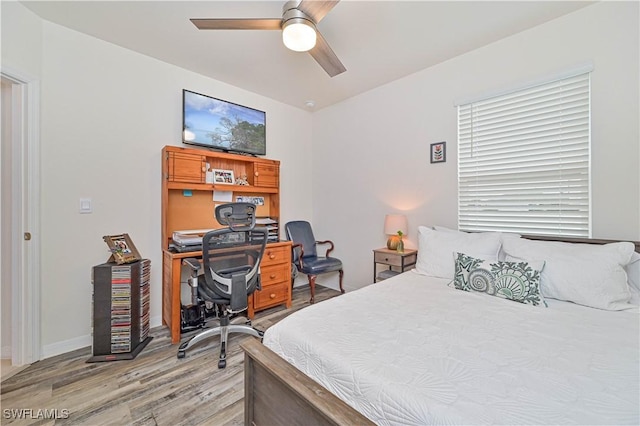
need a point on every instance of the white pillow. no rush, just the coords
(586, 274)
(633, 277)
(436, 248)
(503, 235)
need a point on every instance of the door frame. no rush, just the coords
(26, 345)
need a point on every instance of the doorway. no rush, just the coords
(19, 219)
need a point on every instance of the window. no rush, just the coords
(524, 160)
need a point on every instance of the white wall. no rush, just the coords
(371, 152)
(106, 114)
(21, 38)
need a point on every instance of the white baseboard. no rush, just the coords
(155, 321)
(66, 346)
(78, 342)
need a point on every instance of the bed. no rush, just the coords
(415, 349)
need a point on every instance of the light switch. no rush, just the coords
(85, 205)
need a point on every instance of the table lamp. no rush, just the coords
(392, 224)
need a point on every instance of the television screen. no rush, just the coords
(222, 125)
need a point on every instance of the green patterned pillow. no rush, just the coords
(518, 281)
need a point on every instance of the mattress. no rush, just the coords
(412, 350)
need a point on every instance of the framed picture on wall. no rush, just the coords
(439, 152)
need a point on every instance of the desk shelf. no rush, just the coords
(214, 187)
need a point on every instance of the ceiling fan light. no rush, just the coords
(299, 35)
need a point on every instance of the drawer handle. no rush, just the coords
(272, 295)
(257, 174)
(386, 259)
(272, 276)
(272, 256)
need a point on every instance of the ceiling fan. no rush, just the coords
(299, 32)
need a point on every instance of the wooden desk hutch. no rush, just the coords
(187, 204)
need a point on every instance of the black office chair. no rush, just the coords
(231, 258)
(305, 254)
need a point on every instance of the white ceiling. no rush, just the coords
(377, 41)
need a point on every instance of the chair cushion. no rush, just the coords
(319, 265)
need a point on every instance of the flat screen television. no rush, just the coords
(222, 125)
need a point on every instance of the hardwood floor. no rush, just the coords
(155, 388)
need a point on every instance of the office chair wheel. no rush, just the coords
(181, 354)
(222, 363)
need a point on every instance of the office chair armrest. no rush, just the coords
(192, 263)
(330, 249)
(293, 254)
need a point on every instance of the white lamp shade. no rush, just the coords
(394, 223)
(298, 35)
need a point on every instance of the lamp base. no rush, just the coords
(392, 242)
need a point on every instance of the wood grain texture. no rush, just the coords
(155, 388)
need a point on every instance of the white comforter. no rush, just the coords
(411, 350)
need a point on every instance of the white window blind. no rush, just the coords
(524, 160)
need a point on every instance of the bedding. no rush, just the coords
(414, 350)
(517, 281)
(587, 274)
(436, 248)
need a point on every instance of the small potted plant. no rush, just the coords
(400, 247)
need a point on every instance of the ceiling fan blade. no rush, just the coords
(238, 24)
(328, 60)
(316, 9)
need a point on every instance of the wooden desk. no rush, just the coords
(275, 274)
(188, 204)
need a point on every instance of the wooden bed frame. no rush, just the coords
(277, 393)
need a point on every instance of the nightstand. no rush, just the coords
(397, 262)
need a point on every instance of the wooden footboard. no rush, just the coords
(277, 393)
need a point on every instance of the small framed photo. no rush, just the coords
(121, 248)
(224, 177)
(439, 152)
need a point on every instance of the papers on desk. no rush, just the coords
(190, 237)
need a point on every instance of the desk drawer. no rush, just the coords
(272, 295)
(274, 274)
(276, 255)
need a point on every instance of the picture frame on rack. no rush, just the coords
(223, 177)
(122, 249)
(439, 152)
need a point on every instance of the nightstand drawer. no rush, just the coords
(276, 255)
(388, 259)
(275, 274)
(273, 294)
